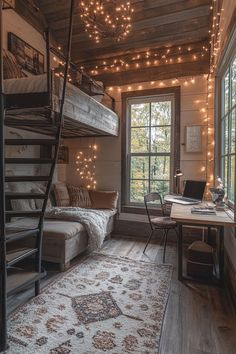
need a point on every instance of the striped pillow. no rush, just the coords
(11, 68)
(79, 197)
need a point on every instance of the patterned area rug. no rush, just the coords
(103, 305)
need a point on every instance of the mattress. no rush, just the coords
(78, 105)
(56, 228)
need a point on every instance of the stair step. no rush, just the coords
(18, 279)
(15, 256)
(12, 195)
(26, 178)
(12, 236)
(30, 142)
(28, 161)
(32, 213)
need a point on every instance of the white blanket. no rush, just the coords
(94, 221)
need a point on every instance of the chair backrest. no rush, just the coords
(151, 200)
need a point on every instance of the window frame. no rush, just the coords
(228, 57)
(128, 97)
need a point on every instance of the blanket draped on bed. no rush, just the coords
(94, 221)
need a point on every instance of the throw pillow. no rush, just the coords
(39, 202)
(79, 197)
(11, 68)
(104, 199)
(21, 204)
(61, 194)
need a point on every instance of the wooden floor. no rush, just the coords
(199, 319)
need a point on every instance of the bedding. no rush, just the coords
(79, 197)
(94, 221)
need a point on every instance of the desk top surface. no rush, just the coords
(182, 214)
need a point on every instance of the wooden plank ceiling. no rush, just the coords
(169, 38)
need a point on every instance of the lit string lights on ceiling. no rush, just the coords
(85, 162)
(106, 18)
(150, 58)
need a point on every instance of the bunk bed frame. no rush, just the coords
(11, 282)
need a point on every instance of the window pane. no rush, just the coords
(140, 114)
(225, 136)
(161, 139)
(162, 187)
(226, 94)
(225, 172)
(231, 179)
(139, 167)
(140, 140)
(160, 167)
(232, 130)
(161, 113)
(138, 189)
(233, 82)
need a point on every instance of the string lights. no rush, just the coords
(106, 18)
(150, 58)
(86, 166)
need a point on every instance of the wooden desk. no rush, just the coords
(183, 216)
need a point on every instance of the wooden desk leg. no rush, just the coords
(180, 253)
(221, 254)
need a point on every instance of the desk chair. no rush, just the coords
(163, 222)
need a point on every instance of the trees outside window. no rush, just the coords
(228, 126)
(149, 146)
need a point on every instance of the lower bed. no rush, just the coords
(62, 240)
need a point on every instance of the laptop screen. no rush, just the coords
(194, 189)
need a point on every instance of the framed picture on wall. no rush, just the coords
(194, 139)
(63, 154)
(29, 58)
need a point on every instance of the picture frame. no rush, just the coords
(193, 139)
(46, 152)
(63, 155)
(29, 58)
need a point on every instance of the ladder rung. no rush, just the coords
(19, 235)
(12, 195)
(30, 142)
(26, 178)
(27, 161)
(15, 256)
(32, 213)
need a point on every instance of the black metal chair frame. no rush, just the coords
(152, 197)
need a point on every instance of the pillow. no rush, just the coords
(39, 202)
(11, 68)
(79, 197)
(61, 194)
(104, 199)
(21, 204)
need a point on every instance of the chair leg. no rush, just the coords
(164, 253)
(149, 239)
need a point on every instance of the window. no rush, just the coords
(228, 125)
(150, 158)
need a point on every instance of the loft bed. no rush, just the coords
(29, 98)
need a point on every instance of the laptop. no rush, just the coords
(193, 193)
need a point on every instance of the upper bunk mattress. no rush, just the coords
(78, 107)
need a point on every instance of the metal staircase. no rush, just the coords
(12, 249)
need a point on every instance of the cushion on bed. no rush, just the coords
(79, 197)
(21, 204)
(104, 199)
(39, 202)
(60, 229)
(11, 68)
(61, 194)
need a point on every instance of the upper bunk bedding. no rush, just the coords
(83, 115)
